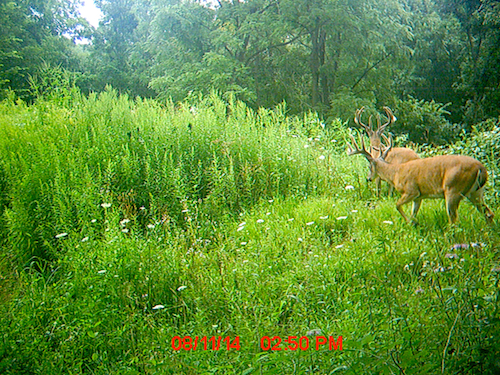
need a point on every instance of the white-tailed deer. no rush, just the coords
(396, 155)
(451, 177)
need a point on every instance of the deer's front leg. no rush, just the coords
(407, 198)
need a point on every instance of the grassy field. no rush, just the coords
(129, 228)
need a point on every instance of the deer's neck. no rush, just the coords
(386, 171)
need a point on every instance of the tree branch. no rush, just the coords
(369, 69)
(272, 46)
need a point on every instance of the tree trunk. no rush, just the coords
(320, 90)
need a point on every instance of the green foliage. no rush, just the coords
(345, 103)
(129, 223)
(153, 163)
(483, 143)
(424, 122)
(54, 84)
(34, 32)
(312, 54)
(479, 68)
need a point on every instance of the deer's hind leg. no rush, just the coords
(453, 200)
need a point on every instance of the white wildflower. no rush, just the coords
(260, 221)
(349, 187)
(322, 157)
(323, 217)
(158, 307)
(85, 239)
(310, 223)
(342, 218)
(101, 272)
(105, 205)
(181, 288)
(388, 222)
(61, 235)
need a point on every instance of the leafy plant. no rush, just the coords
(424, 122)
(129, 224)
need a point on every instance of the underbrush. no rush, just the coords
(130, 228)
(64, 165)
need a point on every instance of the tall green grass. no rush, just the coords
(152, 163)
(127, 222)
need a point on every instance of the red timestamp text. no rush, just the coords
(205, 343)
(277, 343)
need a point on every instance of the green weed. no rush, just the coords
(129, 225)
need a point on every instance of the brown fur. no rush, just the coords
(451, 177)
(397, 155)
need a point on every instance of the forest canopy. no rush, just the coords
(436, 63)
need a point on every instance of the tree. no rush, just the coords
(111, 58)
(32, 32)
(178, 39)
(480, 68)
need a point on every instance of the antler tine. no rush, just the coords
(354, 149)
(357, 119)
(356, 115)
(390, 119)
(350, 149)
(388, 148)
(386, 139)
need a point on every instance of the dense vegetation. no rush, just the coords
(126, 223)
(182, 173)
(436, 63)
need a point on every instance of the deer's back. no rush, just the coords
(433, 176)
(400, 155)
